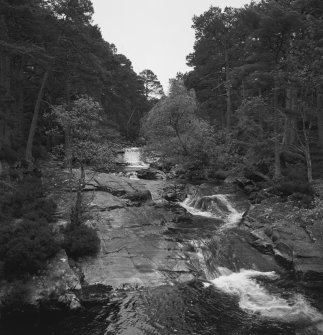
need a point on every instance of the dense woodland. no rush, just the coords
(258, 74)
(251, 106)
(51, 54)
(257, 82)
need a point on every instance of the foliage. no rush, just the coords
(25, 247)
(173, 129)
(152, 86)
(26, 199)
(289, 187)
(253, 134)
(80, 240)
(26, 238)
(81, 124)
(261, 64)
(15, 299)
(52, 52)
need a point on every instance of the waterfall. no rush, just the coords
(133, 158)
(216, 206)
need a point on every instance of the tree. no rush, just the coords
(50, 53)
(153, 89)
(81, 123)
(173, 128)
(215, 54)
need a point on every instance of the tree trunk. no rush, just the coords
(20, 100)
(243, 90)
(181, 142)
(291, 110)
(67, 130)
(277, 173)
(128, 122)
(228, 91)
(68, 149)
(5, 97)
(32, 130)
(309, 165)
(6, 73)
(289, 131)
(320, 114)
(307, 152)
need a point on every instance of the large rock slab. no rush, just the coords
(280, 229)
(134, 249)
(103, 201)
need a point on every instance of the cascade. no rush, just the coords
(253, 296)
(216, 206)
(133, 158)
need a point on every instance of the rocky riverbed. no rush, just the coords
(150, 243)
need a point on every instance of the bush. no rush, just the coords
(26, 199)
(8, 154)
(26, 247)
(287, 188)
(40, 152)
(15, 299)
(40, 209)
(80, 240)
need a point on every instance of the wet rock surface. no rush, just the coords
(294, 236)
(136, 247)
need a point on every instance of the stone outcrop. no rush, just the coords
(279, 229)
(151, 174)
(135, 247)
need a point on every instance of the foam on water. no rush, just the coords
(132, 157)
(231, 217)
(254, 298)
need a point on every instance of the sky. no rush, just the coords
(154, 34)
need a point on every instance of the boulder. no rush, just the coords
(70, 301)
(150, 174)
(138, 196)
(309, 271)
(174, 193)
(261, 241)
(101, 201)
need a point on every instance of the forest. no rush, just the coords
(254, 91)
(250, 109)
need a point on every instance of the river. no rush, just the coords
(237, 290)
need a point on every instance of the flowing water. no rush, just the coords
(133, 158)
(226, 298)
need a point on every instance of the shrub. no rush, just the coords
(295, 173)
(81, 240)
(26, 247)
(8, 154)
(26, 199)
(15, 299)
(40, 152)
(287, 188)
(40, 209)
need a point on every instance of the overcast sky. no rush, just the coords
(153, 34)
